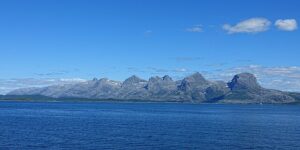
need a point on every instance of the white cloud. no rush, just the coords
(180, 70)
(286, 24)
(72, 80)
(252, 25)
(166, 71)
(197, 28)
(148, 32)
(186, 59)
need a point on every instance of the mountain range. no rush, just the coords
(243, 88)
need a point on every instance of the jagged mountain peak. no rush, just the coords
(103, 79)
(193, 82)
(167, 78)
(196, 77)
(161, 85)
(243, 88)
(134, 82)
(134, 79)
(244, 81)
(155, 78)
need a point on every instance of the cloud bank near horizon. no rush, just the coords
(196, 28)
(7, 85)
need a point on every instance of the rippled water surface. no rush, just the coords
(25, 125)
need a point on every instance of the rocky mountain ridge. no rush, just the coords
(243, 88)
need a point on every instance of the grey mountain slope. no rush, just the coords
(295, 95)
(243, 88)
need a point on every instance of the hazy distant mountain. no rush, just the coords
(243, 88)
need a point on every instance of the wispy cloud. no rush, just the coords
(185, 59)
(286, 24)
(216, 65)
(252, 25)
(52, 73)
(180, 70)
(148, 33)
(196, 28)
(162, 70)
(178, 73)
(57, 73)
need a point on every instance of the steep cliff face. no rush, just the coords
(244, 81)
(193, 86)
(158, 85)
(132, 88)
(216, 91)
(243, 88)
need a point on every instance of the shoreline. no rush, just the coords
(134, 101)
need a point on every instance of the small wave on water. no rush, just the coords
(148, 126)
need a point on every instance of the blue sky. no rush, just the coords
(63, 40)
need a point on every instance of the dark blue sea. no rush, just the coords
(83, 125)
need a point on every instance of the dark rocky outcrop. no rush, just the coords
(244, 88)
(244, 81)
